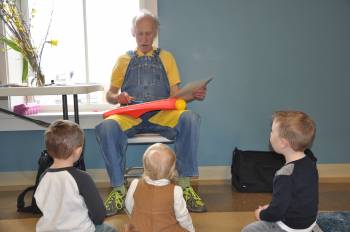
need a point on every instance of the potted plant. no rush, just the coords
(19, 39)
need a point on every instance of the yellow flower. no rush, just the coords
(20, 39)
(53, 42)
(33, 12)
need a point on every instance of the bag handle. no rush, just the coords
(20, 200)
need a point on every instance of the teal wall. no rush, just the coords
(20, 151)
(265, 55)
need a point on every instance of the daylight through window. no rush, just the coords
(91, 35)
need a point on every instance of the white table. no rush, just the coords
(63, 90)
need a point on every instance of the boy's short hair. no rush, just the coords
(159, 162)
(296, 127)
(62, 137)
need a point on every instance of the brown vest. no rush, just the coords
(154, 208)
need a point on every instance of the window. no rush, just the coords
(91, 35)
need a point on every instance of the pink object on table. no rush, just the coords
(26, 109)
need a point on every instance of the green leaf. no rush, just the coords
(12, 44)
(24, 70)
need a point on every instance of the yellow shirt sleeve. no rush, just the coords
(169, 63)
(170, 67)
(119, 70)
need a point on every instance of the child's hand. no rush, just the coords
(257, 213)
(129, 228)
(258, 210)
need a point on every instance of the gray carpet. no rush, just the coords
(334, 221)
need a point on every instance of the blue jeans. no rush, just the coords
(113, 144)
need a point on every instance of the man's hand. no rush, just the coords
(124, 98)
(199, 94)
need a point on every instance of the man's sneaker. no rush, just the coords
(193, 201)
(114, 203)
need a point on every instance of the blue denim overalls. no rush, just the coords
(146, 80)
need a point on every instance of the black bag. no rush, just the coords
(45, 161)
(253, 171)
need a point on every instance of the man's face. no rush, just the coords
(145, 33)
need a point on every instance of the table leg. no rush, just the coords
(80, 163)
(76, 108)
(65, 107)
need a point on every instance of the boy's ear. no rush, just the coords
(284, 143)
(78, 151)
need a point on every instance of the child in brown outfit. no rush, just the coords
(154, 202)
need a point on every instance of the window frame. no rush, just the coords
(87, 112)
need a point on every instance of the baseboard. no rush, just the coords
(329, 173)
(334, 173)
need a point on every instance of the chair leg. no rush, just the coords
(146, 138)
(128, 173)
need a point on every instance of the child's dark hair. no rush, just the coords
(296, 127)
(62, 137)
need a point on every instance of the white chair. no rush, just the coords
(142, 139)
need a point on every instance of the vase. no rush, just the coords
(38, 80)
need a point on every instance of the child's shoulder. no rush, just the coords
(301, 165)
(77, 170)
(79, 174)
(134, 182)
(286, 170)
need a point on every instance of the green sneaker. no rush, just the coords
(114, 203)
(193, 201)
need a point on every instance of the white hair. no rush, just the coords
(144, 14)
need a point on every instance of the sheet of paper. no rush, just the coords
(188, 89)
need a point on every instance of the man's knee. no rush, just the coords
(190, 117)
(106, 127)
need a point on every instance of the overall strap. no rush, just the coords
(156, 52)
(131, 53)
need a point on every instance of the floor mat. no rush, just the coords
(334, 221)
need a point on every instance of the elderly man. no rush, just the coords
(143, 75)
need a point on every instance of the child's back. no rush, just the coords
(154, 208)
(295, 194)
(68, 197)
(154, 202)
(65, 193)
(294, 201)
